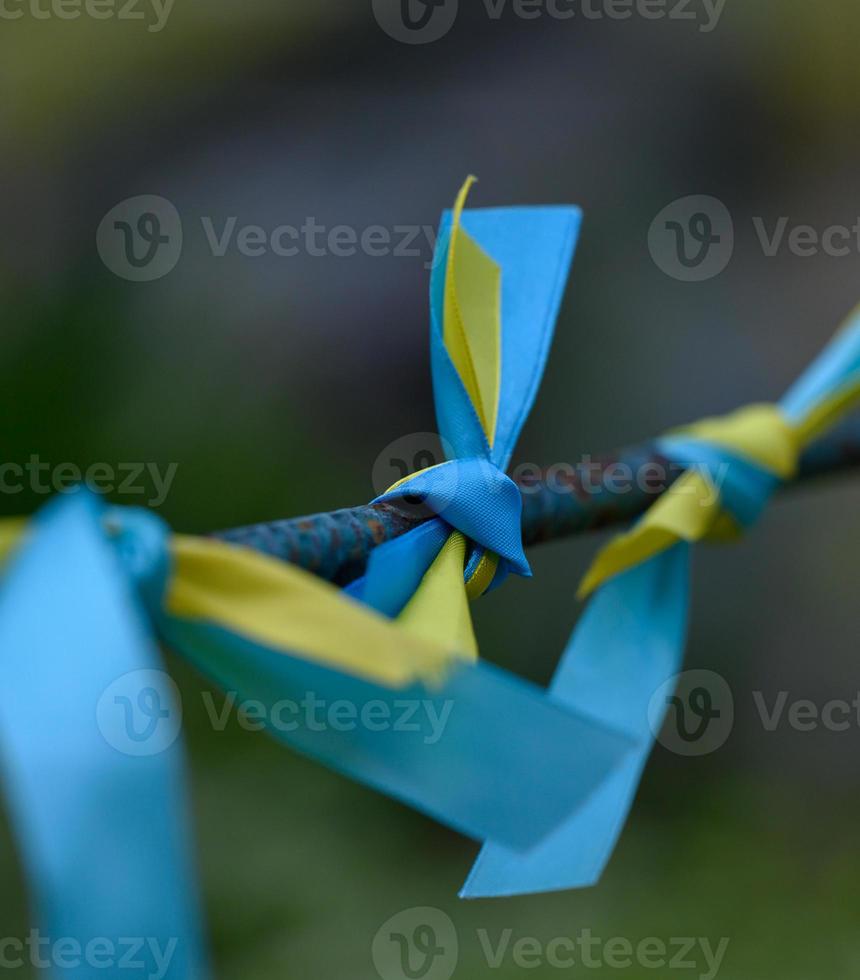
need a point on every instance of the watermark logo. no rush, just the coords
(412, 455)
(423, 21)
(140, 713)
(692, 713)
(692, 239)
(589, 477)
(140, 239)
(423, 944)
(407, 456)
(416, 944)
(415, 21)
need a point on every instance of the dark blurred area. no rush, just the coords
(268, 384)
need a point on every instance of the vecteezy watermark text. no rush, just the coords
(806, 241)
(311, 237)
(693, 713)
(696, 954)
(423, 942)
(423, 717)
(154, 13)
(140, 956)
(425, 21)
(590, 477)
(804, 715)
(140, 714)
(141, 238)
(693, 238)
(125, 479)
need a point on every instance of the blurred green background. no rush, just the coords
(273, 383)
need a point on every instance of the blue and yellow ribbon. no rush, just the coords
(544, 780)
(99, 808)
(494, 296)
(630, 640)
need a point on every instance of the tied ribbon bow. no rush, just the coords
(623, 658)
(96, 793)
(494, 296)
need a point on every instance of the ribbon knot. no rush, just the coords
(744, 456)
(474, 497)
(733, 465)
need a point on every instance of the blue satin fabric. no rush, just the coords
(471, 770)
(533, 248)
(103, 832)
(103, 828)
(394, 570)
(744, 488)
(475, 497)
(835, 368)
(630, 641)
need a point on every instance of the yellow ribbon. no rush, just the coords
(291, 611)
(690, 510)
(472, 326)
(472, 333)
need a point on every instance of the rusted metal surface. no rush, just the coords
(559, 501)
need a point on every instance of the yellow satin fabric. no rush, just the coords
(439, 609)
(472, 327)
(690, 510)
(293, 612)
(290, 610)
(11, 532)
(472, 333)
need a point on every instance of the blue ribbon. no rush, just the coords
(630, 642)
(97, 800)
(533, 248)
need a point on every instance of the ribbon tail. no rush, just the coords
(629, 643)
(98, 806)
(439, 609)
(452, 751)
(396, 568)
(829, 385)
